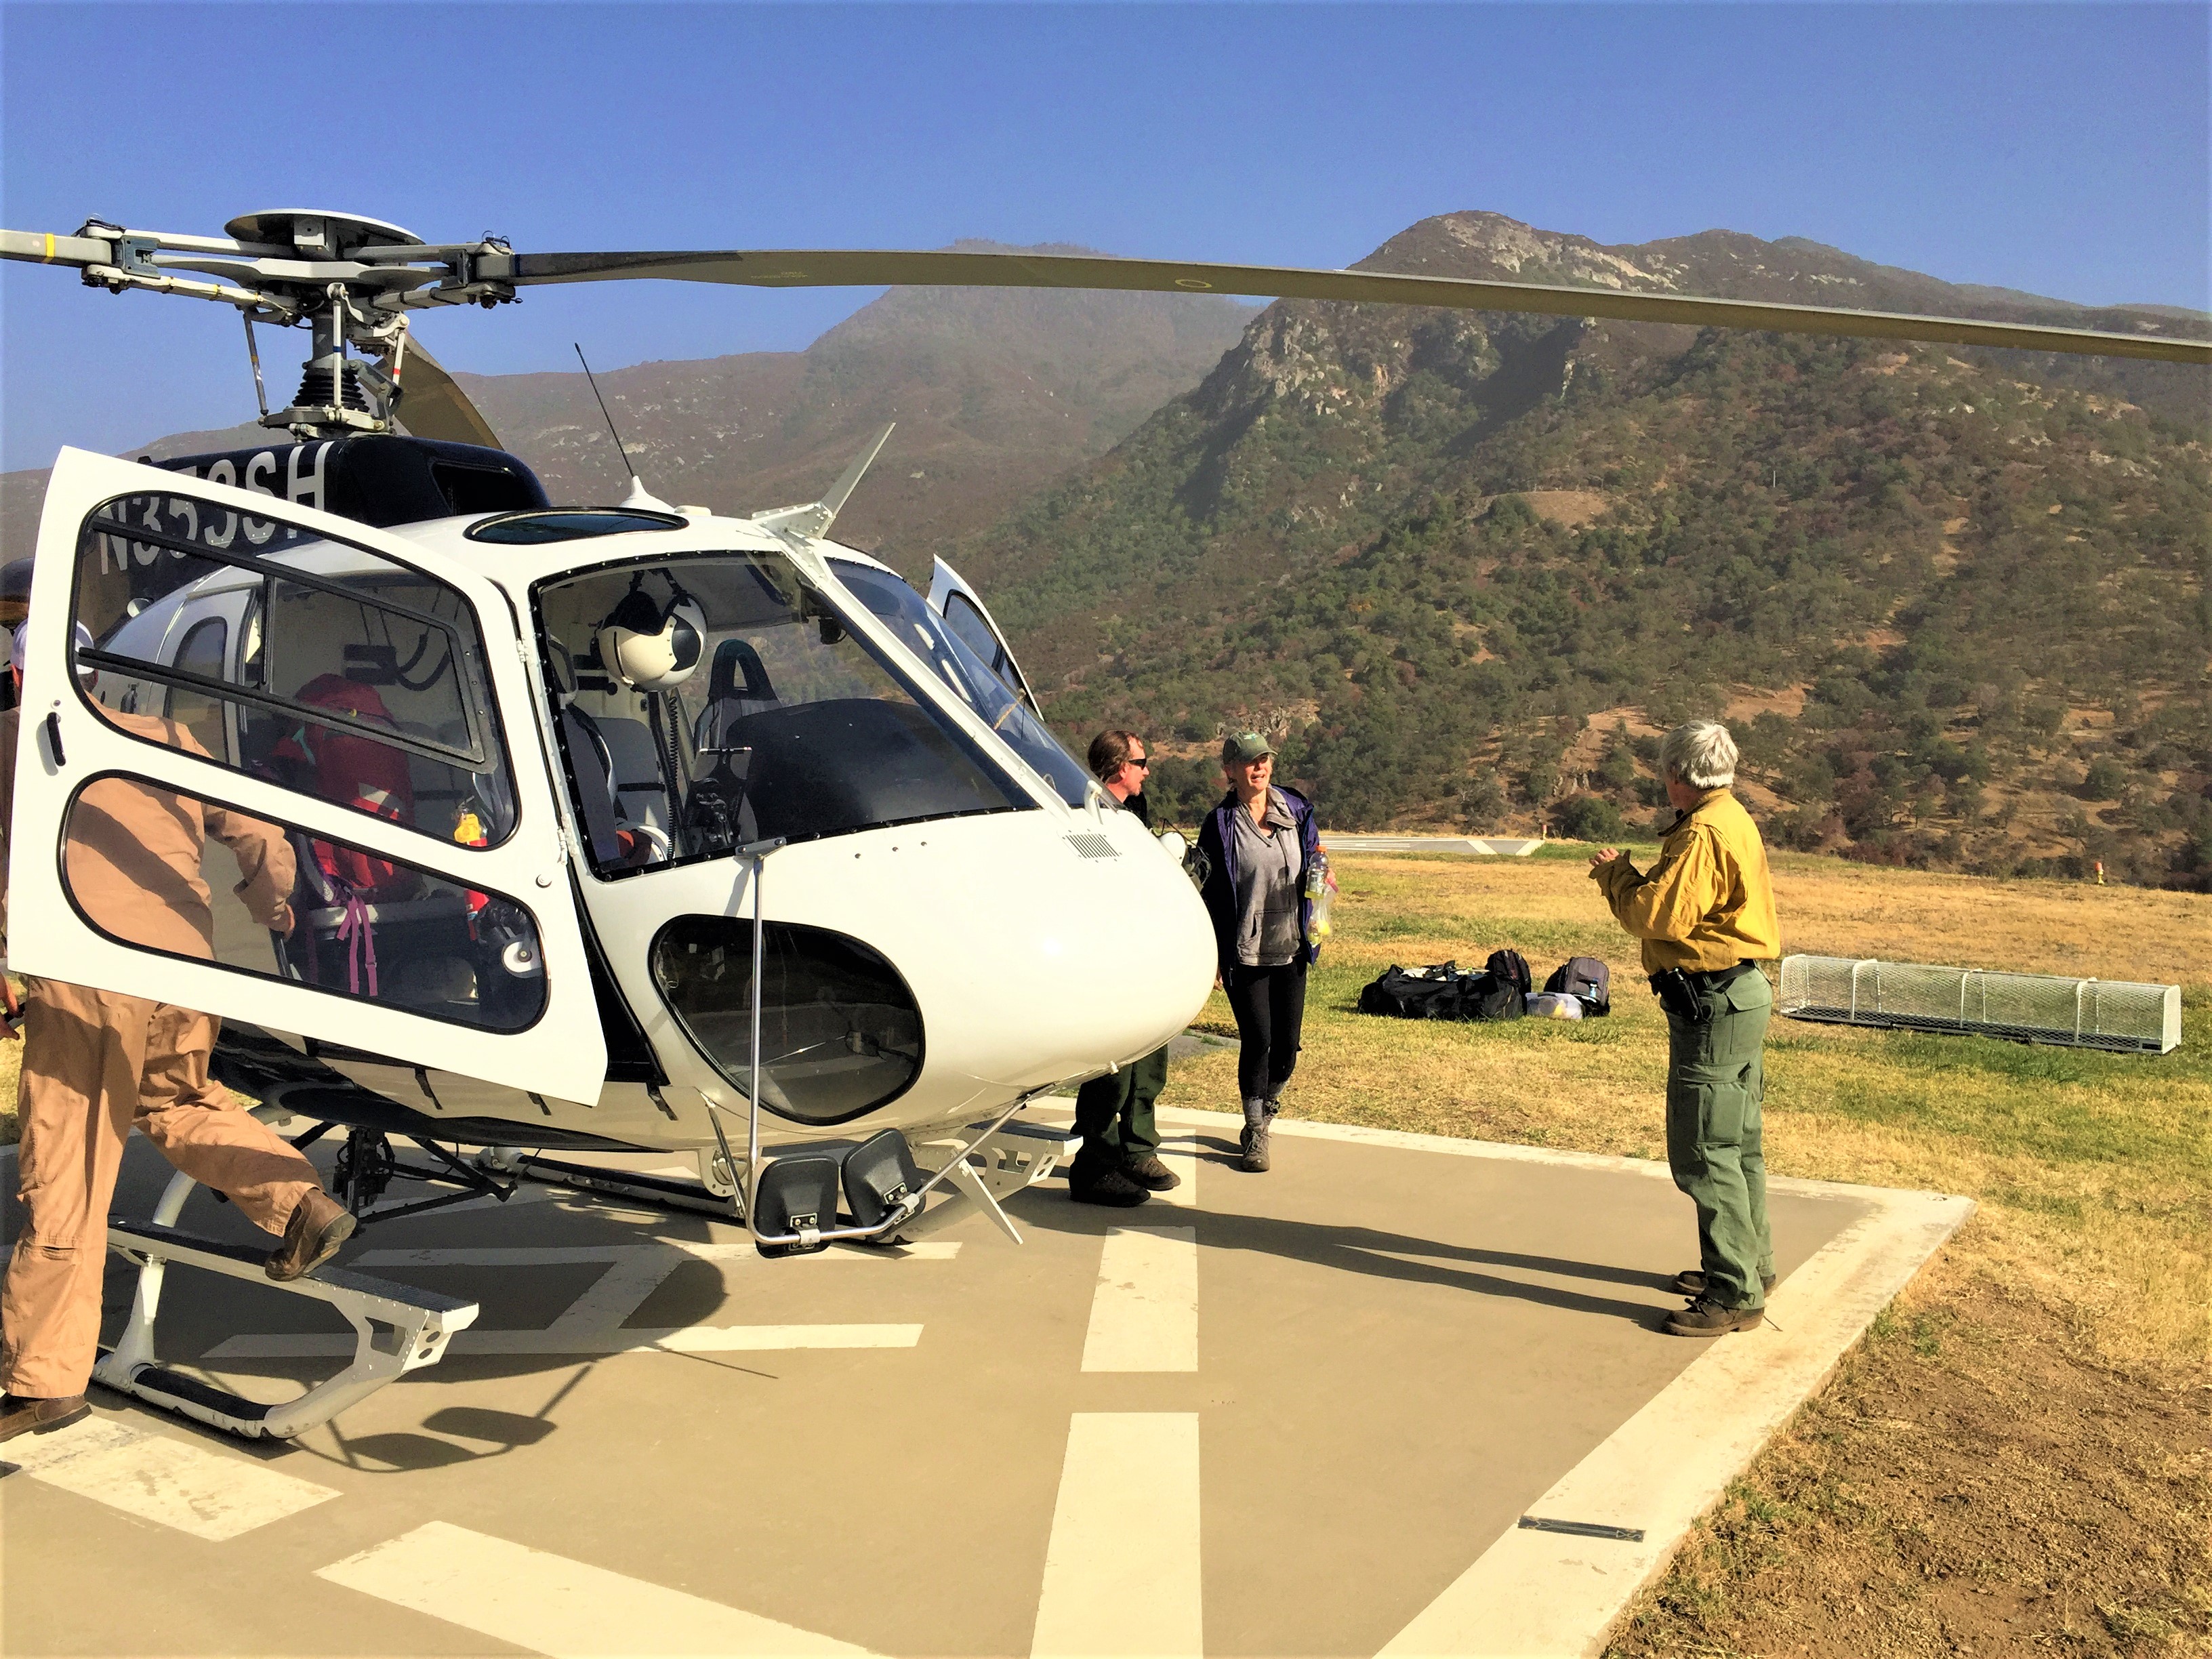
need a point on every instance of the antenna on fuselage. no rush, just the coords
(638, 495)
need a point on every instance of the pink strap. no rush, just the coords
(354, 928)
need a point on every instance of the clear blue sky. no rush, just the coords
(2059, 149)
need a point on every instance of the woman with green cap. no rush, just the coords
(1257, 847)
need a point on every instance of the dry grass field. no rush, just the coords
(2016, 1461)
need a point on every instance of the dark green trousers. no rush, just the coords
(1714, 1083)
(1113, 1113)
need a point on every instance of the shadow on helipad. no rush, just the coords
(1400, 1347)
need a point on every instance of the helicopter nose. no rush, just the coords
(1093, 964)
(1035, 952)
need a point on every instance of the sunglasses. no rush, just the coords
(1140, 763)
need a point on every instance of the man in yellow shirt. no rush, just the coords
(1705, 913)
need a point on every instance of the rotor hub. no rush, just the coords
(316, 233)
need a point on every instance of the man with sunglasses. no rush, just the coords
(1119, 1165)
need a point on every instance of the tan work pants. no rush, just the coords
(93, 1064)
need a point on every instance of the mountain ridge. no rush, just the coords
(1511, 503)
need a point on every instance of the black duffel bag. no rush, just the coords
(1500, 991)
(1415, 993)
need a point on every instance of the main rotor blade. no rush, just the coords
(433, 406)
(42, 249)
(819, 268)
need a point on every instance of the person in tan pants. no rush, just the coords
(96, 1063)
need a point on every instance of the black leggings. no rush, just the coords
(1270, 1005)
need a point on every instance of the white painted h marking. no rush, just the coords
(1121, 1573)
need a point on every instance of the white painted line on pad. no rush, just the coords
(551, 1605)
(171, 1482)
(1144, 1314)
(1121, 1571)
(1181, 1155)
(745, 1339)
(688, 1339)
(555, 1256)
(593, 1323)
(1534, 1592)
(1229, 1124)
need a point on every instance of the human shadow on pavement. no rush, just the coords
(1369, 1250)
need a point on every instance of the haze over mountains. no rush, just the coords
(1467, 564)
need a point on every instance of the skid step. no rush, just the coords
(397, 1330)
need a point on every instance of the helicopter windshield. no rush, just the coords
(761, 716)
(925, 633)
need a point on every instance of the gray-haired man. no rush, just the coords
(1705, 913)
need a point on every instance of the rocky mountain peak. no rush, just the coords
(1491, 246)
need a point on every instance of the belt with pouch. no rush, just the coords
(1682, 991)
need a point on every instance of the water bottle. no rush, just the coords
(1321, 894)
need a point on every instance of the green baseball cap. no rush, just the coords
(1245, 747)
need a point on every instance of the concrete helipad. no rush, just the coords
(1307, 1412)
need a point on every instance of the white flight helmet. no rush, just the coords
(653, 647)
(19, 645)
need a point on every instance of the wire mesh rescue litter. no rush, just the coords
(2084, 1013)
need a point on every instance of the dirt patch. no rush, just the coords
(1747, 702)
(1569, 507)
(1973, 1483)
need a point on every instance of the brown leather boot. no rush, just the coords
(1704, 1318)
(1153, 1174)
(1255, 1158)
(1690, 1281)
(23, 1414)
(318, 1225)
(1109, 1186)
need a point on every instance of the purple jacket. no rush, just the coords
(1216, 845)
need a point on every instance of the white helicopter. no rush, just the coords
(619, 829)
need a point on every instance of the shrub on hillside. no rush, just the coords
(2106, 778)
(1588, 818)
(1482, 803)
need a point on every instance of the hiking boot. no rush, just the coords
(22, 1414)
(1691, 1282)
(318, 1225)
(1704, 1318)
(1109, 1186)
(1153, 1174)
(1254, 1147)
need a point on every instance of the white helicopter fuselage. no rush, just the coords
(1040, 945)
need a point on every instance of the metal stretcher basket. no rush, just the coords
(2083, 1013)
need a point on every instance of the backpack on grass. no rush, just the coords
(1586, 978)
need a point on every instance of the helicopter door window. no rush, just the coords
(840, 1034)
(357, 679)
(968, 622)
(365, 925)
(942, 645)
(715, 700)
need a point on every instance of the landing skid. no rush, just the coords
(1014, 1155)
(397, 1328)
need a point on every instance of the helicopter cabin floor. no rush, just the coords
(1308, 1413)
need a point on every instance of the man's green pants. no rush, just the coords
(1714, 1083)
(1114, 1114)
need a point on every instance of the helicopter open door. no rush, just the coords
(964, 613)
(368, 710)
